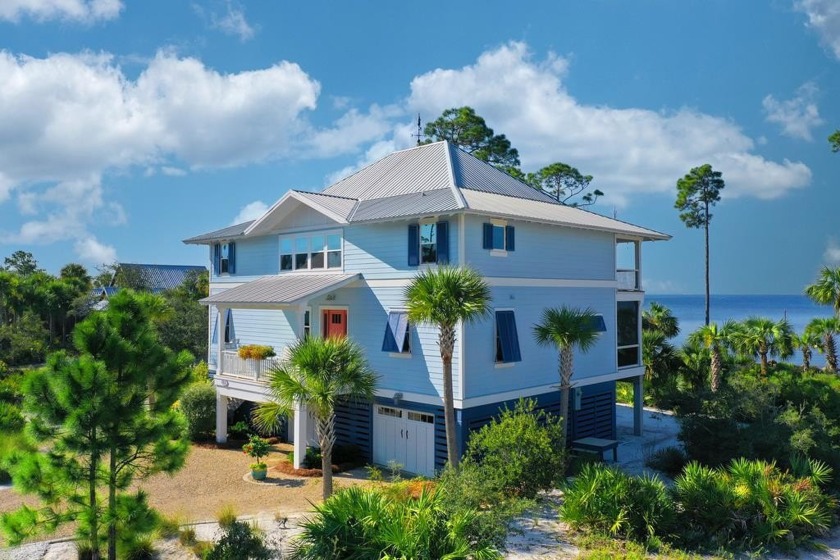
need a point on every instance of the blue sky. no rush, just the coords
(126, 127)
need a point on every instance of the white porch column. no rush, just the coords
(301, 433)
(221, 417)
(638, 405)
(220, 341)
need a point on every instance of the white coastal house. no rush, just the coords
(337, 263)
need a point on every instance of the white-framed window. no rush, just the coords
(428, 243)
(498, 236)
(311, 251)
(307, 323)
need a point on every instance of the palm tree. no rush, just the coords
(715, 339)
(566, 328)
(826, 290)
(659, 318)
(443, 296)
(319, 373)
(806, 342)
(826, 329)
(762, 337)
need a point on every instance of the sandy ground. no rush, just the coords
(215, 478)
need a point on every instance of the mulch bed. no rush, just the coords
(286, 467)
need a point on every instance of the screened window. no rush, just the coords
(397, 334)
(507, 340)
(627, 327)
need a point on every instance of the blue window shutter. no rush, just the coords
(488, 236)
(230, 332)
(598, 324)
(217, 259)
(443, 242)
(509, 238)
(232, 258)
(506, 325)
(413, 245)
(395, 332)
(215, 337)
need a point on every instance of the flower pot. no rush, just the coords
(259, 474)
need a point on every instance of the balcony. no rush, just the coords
(255, 370)
(628, 279)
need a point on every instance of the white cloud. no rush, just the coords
(84, 11)
(628, 150)
(250, 211)
(172, 171)
(92, 251)
(831, 255)
(797, 116)
(824, 18)
(233, 22)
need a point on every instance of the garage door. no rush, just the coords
(405, 437)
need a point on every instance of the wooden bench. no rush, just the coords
(598, 445)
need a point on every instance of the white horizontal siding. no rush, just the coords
(544, 251)
(539, 365)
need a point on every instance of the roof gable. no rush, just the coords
(335, 209)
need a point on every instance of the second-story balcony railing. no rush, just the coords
(628, 279)
(258, 370)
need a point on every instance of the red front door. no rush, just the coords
(334, 322)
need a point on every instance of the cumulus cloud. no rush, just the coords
(69, 119)
(250, 212)
(831, 255)
(83, 11)
(824, 18)
(797, 116)
(91, 250)
(233, 22)
(628, 150)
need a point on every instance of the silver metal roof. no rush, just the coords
(474, 174)
(413, 204)
(229, 232)
(423, 168)
(280, 291)
(339, 205)
(532, 210)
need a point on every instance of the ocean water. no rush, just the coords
(689, 310)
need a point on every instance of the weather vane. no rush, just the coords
(419, 134)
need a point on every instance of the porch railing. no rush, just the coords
(628, 279)
(257, 370)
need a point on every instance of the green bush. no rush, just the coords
(605, 500)
(198, 404)
(363, 523)
(11, 418)
(669, 460)
(706, 506)
(240, 542)
(520, 451)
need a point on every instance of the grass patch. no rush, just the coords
(624, 392)
(598, 547)
(226, 516)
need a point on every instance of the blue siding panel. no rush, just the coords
(539, 363)
(543, 251)
(258, 257)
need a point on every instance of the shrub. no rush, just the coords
(11, 418)
(669, 460)
(706, 503)
(711, 441)
(169, 527)
(256, 352)
(200, 373)
(198, 404)
(605, 500)
(240, 541)
(226, 516)
(519, 451)
(364, 523)
(239, 430)
(257, 448)
(141, 549)
(187, 536)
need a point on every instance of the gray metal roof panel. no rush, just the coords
(473, 174)
(413, 204)
(158, 277)
(286, 289)
(553, 213)
(229, 232)
(414, 170)
(340, 205)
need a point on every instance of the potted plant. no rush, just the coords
(256, 352)
(257, 448)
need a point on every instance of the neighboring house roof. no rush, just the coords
(433, 179)
(281, 290)
(157, 277)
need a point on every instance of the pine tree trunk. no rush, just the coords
(94, 518)
(326, 439)
(566, 368)
(707, 264)
(112, 506)
(446, 342)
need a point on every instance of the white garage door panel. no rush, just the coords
(406, 437)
